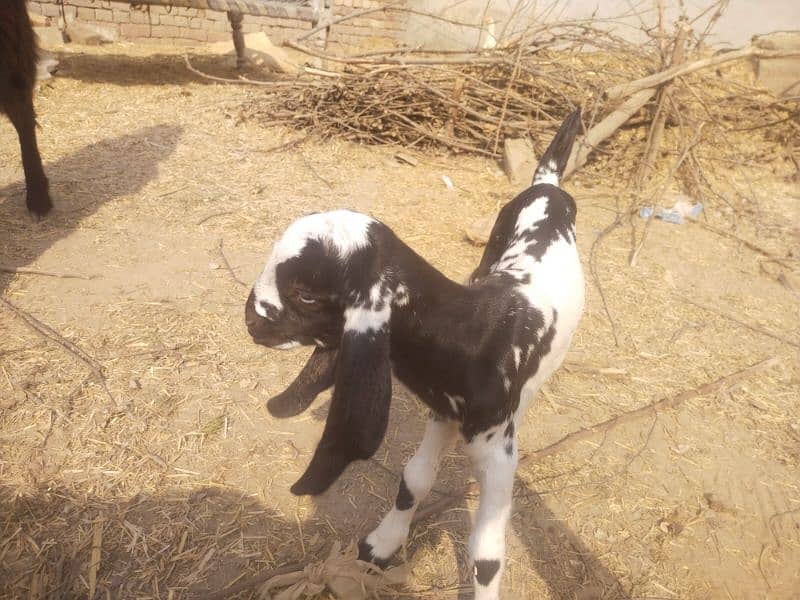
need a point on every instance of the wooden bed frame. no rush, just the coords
(314, 11)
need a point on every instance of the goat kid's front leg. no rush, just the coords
(316, 377)
(418, 478)
(495, 463)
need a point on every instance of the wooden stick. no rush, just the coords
(286, 145)
(23, 271)
(627, 89)
(94, 564)
(656, 199)
(605, 128)
(48, 332)
(669, 402)
(468, 59)
(242, 79)
(660, 120)
(228, 266)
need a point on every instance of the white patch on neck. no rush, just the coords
(344, 230)
(373, 314)
(363, 320)
(547, 174)
(530, 216)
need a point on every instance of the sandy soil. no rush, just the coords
(170, 471)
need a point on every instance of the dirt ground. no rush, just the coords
(167, 478)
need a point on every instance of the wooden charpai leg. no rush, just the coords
(235, 19)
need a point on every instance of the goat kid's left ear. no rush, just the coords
(359, 411)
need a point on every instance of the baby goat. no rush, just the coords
(475, 354)
(17, 79)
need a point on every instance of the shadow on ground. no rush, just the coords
(80, 184)
(153, 69)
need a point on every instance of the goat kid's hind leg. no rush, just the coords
(418, 477)
(19, 107)
(495, 463)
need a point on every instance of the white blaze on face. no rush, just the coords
(344, 230)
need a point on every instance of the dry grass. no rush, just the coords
(177, 484)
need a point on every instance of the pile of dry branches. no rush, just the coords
(466, 102)
(665, 107)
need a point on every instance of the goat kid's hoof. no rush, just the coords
(365, 553)
(287, 404)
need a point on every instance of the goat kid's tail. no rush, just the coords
(554, 160)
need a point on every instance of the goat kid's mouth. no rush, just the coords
(271, 342)
(288, 345)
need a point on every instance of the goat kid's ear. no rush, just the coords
(359, 411)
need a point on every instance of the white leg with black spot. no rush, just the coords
(495, 462)
(418, 478)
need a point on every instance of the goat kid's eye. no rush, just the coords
(306, 299)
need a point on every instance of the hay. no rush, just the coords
(183, 488)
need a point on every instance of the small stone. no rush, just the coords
(214, 266)
(134, 384)
(406, 158)
(90, 33)
(519, 161)
(480, 230)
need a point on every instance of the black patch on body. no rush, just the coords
(509, 432)
(485, 570)
(405, 499)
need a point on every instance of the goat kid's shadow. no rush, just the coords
(81, 183)
(564, 563)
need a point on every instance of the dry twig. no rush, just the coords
(24, 271)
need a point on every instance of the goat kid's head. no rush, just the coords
(325, 283)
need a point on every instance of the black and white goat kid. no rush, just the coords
(475, 354)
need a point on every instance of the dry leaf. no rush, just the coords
(341, 573)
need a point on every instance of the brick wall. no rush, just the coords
(174, 25)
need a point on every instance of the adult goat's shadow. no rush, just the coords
(557, 554)
(81, 183)
(152, 69)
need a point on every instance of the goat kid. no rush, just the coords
(18, 54)
(475, 354)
